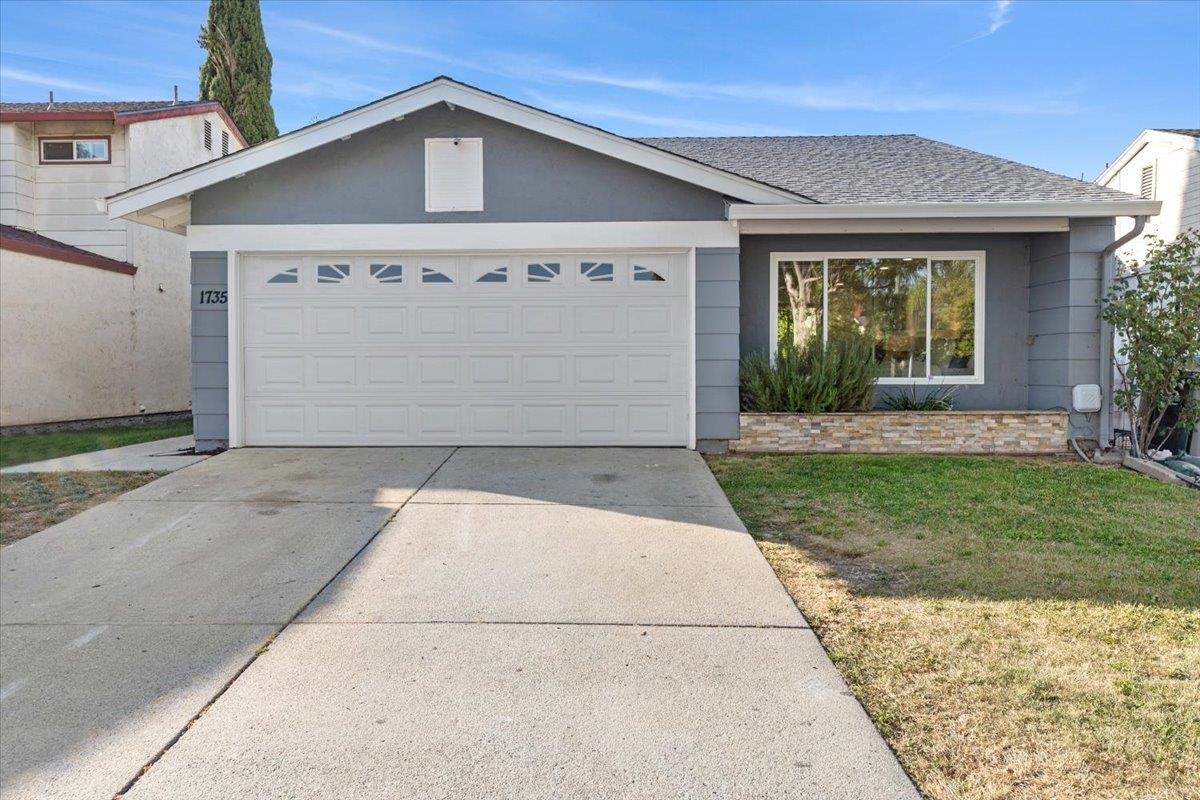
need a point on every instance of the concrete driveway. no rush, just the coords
(529, 623)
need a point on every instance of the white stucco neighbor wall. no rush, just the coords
(65, 346)
(84, 343)
(1175, 159)
(162, 289)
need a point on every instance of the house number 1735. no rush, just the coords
(213, 297)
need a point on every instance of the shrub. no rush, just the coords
(839, 376)
(939, 399)
(1155, 309)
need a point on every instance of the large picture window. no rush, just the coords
(923, 311)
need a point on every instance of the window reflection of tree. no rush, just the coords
(800, 301)
(885, 298)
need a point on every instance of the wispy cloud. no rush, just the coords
(370, 42)
(12, 75)
(311, 83)
(589, 112)
(999, 15)
(852, 95)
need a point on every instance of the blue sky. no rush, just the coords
(1063, 86)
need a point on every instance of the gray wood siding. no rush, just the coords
(717, 351)
(378, 176)
(1064, 316)
(210, 354)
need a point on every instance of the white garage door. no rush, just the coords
(499, 349)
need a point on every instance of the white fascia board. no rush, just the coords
(1034, 208)
(460, 236)
(390, 109)
(923, 225)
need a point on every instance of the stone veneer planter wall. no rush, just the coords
(1009, 432)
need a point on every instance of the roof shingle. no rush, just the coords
(115, 106)
(902, 168)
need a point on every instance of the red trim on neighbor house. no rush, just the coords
(125, 118)
(68, 253)
(165, 113)
(80, 137)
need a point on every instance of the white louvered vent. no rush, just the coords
(208, 135)
(224, 143)
(454, 174)
(1148, 182)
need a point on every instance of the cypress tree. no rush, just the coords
(237, 71)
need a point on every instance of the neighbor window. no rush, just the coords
(922, 311)
(66, 151)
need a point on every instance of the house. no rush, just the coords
(448, 266)
(1161, 164)
(94, 319)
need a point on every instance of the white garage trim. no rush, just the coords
(291, 390)
(459, 237)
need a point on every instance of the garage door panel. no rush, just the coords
(470, 349)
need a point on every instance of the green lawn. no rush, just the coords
(22, 448)
(1016, 628)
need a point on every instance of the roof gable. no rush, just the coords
(162, 202)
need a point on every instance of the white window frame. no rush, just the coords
(74, 140)
(978, 256)
(429, 207)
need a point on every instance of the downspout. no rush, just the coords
(1107, 273)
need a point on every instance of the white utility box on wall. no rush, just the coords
(1086, 397)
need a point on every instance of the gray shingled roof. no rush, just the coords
(118, 106)
(881, 169)
(1193, 132)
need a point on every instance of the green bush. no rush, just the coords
(940, 399)
(839, 376)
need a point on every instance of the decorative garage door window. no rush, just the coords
(543, 272)
(332, 273)
(387, 273)
(494, 275)
(289, 275)
(596, 271)
(434, 275)
(652, 272)
(574, 351)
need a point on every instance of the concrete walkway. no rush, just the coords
(162, 455)
(531, 623)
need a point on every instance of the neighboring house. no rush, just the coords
(447, 266)
(1160, 164)
(94, 319)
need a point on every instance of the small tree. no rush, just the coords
(1155, 309)
(237, 71)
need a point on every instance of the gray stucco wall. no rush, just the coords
(1006, 301)
(210, 351)
(717, 351)
(377, 176)
(1064, 316)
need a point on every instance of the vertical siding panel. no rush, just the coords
(210, 354)
(717, 333)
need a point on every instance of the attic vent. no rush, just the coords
(1148, 182)
(454, 174)
(208, 135)
(224, 143)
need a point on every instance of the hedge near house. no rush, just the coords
(816, 378)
